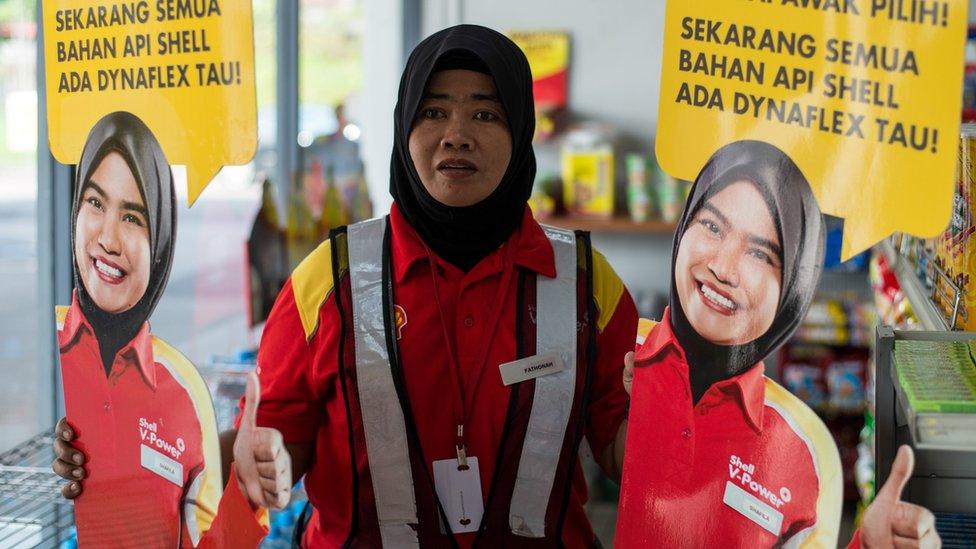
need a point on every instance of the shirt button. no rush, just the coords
(703, 411)
(686, 433)
(468, 321)
(106, 406)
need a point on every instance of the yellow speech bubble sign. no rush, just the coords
(185, 67)
(864, 95)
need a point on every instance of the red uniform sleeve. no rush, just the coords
(290, 401)
(236, 524)
(608, 398)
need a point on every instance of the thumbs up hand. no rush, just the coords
(890, 522)
(262, 463)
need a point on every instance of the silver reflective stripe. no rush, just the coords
(553, 401)
(386, 434)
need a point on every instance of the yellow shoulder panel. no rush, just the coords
(209, 485)
(60, 313)
(644, 327)
(312, 282)
(607, 289)
(826, 460)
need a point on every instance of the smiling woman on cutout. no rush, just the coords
(139, 443)
(718, 454)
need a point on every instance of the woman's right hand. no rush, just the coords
(68, 460)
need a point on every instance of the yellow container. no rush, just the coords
(962, 242)
(587, 170)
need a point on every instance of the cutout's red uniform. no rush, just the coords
(749, 465)
(149, 435)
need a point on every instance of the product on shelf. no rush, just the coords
(890, 301)
(845, 384)
(545, 193)
(838, 320)
(587, 166)
(952, 246)
(954, 251)
(333, 213)
(924, 263)
(548, 54)
(864, 467)
(806, 382)
(938, 379)
(638, 200)
(830, 380)
(670, 194)
(937, 376)
(301, 229)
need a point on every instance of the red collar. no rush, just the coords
(748, 388)
(660, 339)
(139, 350)
(533, 249)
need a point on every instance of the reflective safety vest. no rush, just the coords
(396, 502)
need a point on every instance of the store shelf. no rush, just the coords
(831, 412)
(615, 225)
(944, 476)
(32, 511)
(920, 299)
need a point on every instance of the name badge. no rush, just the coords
(752, 508)
(460, 494)
(531, 367)
(162, 465)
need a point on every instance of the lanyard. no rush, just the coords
(462, 404)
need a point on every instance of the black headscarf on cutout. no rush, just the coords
(800, 226)
(465, 235)
(126, 134)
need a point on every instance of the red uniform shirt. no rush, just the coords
(148, 432)
(301, 392)
(749, 465)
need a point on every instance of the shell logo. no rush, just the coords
(785, 494)
(400, 317)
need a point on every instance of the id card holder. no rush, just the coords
(531, 367)
(460, 494)
(753, 509)
(161, 464)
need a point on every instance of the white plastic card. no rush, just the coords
(460, 494)
(531, 367)
(753, 509)
(162, 465)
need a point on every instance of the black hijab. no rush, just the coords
(799, 224)
(126, 134)
(465, 235)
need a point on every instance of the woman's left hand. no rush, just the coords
(628, 371)
(890, 522)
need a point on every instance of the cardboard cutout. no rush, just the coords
(717, 454)
(856, 103)
(141, 414)
(140, 410)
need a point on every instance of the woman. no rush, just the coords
(718, 454)
(384, 363)
(142, 423)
